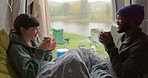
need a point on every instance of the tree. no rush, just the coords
(74, 10)
(84, 9)
(65, 7)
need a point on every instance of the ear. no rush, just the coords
(23, 30)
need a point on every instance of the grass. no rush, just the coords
(76, 40)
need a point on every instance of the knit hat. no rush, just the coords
(134, 13)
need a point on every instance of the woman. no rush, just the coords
(25, 54)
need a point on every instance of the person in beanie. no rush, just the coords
(129, 60)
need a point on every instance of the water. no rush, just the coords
(80, 28)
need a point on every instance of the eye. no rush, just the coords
(36, 29)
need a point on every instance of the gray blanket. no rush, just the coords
(78, 63)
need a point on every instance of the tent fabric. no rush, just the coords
(7, 16)
(29, 2)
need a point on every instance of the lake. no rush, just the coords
(80, 28)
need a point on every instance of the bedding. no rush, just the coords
(78, 63)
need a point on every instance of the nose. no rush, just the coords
(38, 31)
(117, 21)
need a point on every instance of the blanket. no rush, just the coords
(78, 63)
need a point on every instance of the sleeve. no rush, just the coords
(25, 65)
(132, 65)
(48, 56)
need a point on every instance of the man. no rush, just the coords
(130, 59)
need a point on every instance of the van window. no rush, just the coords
(76, 15)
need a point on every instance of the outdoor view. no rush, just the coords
(78, 17)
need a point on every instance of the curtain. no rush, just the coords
(9, 10)
(40, 11)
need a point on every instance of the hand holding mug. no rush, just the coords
(47, 43)
(53, 44)
(105, 38)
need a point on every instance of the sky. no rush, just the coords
(77, 0)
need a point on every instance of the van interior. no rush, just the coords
(9, 9)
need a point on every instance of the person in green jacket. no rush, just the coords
(129, 60)
(26, 55)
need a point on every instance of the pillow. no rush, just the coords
(5, 69)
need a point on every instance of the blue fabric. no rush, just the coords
(134, 13)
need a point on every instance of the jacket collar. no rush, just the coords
(132, 37)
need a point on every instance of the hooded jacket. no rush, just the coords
(130, 59)
(26, 60)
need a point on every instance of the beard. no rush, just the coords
(123, 28)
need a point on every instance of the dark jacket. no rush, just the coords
(26, 60)
(130, 59)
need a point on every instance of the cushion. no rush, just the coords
(5, 69)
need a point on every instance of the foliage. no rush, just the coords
(75, 10)
(81, 11)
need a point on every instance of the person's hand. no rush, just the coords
(53, 44)
(47, 44)
(105, 38)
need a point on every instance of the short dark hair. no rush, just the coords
(26, 21)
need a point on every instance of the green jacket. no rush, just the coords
(26, 60)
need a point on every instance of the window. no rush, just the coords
(79, 17)
(76, 15)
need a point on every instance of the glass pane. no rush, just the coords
(76, 15)
(79, 17)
